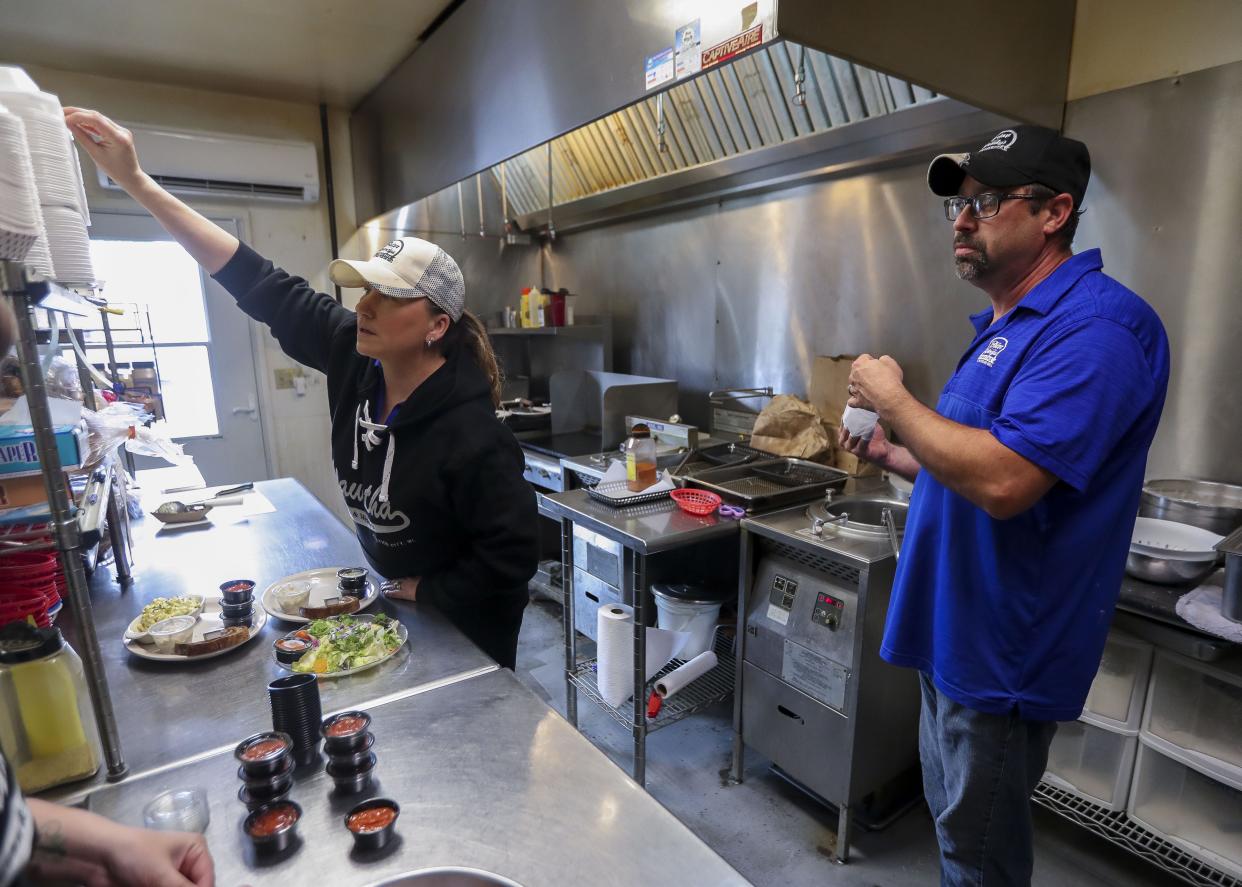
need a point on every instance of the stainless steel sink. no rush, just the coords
(865, 513)
(449, 877)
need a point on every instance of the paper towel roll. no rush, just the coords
(614, 658)
(685, 674)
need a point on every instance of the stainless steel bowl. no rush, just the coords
(1200, 503)
(1167, 570)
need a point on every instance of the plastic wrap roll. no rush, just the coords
(685, 675)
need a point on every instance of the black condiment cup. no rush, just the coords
(245, 608)
(237, 591)
(352, 580)
(353, 779)
(278, 840)
(272, 784)
(356, 757)
(245, 621)
(351, 741)
(253, 803)
(288, 657)
(266, 791)
(270, 764)
(374, 840)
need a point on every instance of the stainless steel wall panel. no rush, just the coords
(1165, 206)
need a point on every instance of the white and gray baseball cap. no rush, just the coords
(407, 268)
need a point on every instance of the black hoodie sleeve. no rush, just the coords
(303, 321)
(495, 502)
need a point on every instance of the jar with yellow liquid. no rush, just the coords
(640, 459)
(47, 725)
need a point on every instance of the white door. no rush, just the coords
(185, 330)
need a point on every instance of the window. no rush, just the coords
(163, 283)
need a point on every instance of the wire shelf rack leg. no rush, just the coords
(567, 615)
(65, 530)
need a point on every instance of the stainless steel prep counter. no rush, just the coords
(168, 712)
(487, 777)
(641, 530)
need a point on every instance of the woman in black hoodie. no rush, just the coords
(432, 479)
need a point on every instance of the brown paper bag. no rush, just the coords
(790, 426)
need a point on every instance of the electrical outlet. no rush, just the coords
(285, 377)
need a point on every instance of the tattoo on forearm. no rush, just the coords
(51, 839)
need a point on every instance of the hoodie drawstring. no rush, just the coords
(369, 433)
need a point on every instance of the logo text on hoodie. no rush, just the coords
(368, 511)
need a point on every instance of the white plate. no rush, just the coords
(402, 634)
(133, 634)
(323, 585)
(209, 621)
(1166, 538)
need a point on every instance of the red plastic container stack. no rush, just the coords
(30, 586)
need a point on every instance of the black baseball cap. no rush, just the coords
(1022, 155)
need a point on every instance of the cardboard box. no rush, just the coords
(18, 491)
(20, 458)
(829, 390)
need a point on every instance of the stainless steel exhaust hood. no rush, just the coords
(500, 76)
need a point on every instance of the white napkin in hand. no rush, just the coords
(859, 422)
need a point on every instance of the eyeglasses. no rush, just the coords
(985, 205)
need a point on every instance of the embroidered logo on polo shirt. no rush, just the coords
(391, 250)
(995, 347)
(1003, 141)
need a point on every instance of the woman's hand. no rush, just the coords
(108, 143)
(405, 589)
(145, 858)
(85, 848)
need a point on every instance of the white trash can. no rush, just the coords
(688, 608)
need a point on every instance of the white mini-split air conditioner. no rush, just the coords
(218, 165)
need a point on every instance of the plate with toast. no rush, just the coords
(209, 639)
(315, 594)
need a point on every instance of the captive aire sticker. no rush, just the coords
(743, 42)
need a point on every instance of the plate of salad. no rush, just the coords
(344, 645)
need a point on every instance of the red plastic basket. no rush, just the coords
(699, 502)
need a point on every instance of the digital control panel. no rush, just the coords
(828, 611)
(783, 592)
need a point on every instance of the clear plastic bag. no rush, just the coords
(122, 423)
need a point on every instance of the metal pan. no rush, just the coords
(763, 486)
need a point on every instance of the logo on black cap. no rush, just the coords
(1003, 141)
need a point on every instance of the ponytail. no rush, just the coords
(470, 334)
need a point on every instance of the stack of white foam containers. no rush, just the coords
(60, 248)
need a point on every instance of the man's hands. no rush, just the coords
(876, 385)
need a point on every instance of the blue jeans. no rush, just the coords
(979, 771)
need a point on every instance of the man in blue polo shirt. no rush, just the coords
(1027, 480)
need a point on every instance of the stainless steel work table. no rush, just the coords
(168, 712)
(641, 530)
(487, 777)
